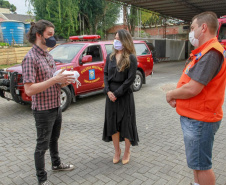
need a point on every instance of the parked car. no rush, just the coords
(86, 57)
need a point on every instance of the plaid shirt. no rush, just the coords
(39, 66)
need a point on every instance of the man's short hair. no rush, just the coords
(210, 18)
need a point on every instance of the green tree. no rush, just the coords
(12, 8)
(131, 19)
(130, 15)
(99, 15)
(6, 4)
(150, 19)
(72, 17)
(62, 13)
(111, 15)
(31, 16)
(91, 10)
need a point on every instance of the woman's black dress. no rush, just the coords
(120, 115)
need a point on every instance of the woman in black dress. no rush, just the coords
(119, 74)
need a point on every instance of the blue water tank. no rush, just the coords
(13, 32)
(27, 27)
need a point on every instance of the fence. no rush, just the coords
(12, 55)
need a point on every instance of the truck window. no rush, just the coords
(95, 51)
(108, 48)
(65, 53)
(222, 32)
(141, 49)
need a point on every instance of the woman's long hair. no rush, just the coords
(128, 48)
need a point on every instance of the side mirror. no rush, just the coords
(87, 58)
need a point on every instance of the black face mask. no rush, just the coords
(50, 42)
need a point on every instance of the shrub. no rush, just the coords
(4, 44)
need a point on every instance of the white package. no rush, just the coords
(75, 75)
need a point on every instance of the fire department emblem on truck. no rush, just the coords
(91, 74)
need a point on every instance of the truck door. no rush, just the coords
(92, 73)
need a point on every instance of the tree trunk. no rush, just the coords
(133, 20)
(124, 17)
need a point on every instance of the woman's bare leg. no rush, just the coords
(115, 139)
(127, 150)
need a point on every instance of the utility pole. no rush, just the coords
(138, 26)
(140, 23)
(164, 28)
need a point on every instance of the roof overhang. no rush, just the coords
(180, 9)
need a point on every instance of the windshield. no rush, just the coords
(65, 53)
(141, 49)
(109, 48)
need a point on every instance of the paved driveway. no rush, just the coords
(159, 159)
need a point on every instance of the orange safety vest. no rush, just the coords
(207, 105)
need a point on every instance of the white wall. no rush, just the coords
(175, 49)
(4, 10)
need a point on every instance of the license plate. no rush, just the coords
(8, 95)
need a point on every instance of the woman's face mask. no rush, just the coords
(118, 45)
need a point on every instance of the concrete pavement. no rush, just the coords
(159, 159)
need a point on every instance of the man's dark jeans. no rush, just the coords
(48, 125)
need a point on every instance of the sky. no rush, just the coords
(21, 7)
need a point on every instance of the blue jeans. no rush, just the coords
(198, 140)
(48, 126)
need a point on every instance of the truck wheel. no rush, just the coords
(65, 98)
(137, 84)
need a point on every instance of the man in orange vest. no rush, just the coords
(199, 96)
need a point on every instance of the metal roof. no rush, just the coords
(18, 17)
(180, 9)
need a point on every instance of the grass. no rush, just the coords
(6, 66)
(4, 44)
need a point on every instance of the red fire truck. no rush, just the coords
(88, 58)
(221, 35)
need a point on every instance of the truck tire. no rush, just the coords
(65, 98)
(13, 83)
(137, 84)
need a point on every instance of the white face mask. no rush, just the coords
(118, 45)
(193, 40)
